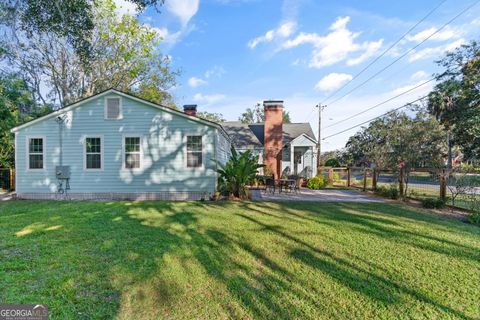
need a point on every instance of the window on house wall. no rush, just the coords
(113, 108)
(35, 153)
(93, 153)
(132, 152)
(194, 151)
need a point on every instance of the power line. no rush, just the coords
(407, 52)
(381, 103)
(377, 117)
(384, 52)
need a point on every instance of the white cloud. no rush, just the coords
(434, 51)
(208, 99)
(195, 82)
(283, 31)
(336, 46)
(370, 49)
(125, 7)
(446, 34)
(419, 75)
(215, 72)
(167, 37)
(424, 88)
(332, 81)
(183, 9)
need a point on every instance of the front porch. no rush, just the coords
(299, 157)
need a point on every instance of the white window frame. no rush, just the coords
(102, 151)
(124, 152)
(120, 107)
(185, 141)
(27, 153)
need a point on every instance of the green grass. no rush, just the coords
(241, 260)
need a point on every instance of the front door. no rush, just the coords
(297, 162)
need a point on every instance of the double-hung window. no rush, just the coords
(36, 148)
(194, 151)
(93, 153)
(132, 152)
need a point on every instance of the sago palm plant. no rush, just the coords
(238, 172)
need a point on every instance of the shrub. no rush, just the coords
(336, 177)
(433, 203)
(388, 192)
(318, 182)
(332, 163)
(475, 207)
(239, 171)
(474, 218)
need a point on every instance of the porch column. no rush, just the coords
(291, 159)
(314, 161)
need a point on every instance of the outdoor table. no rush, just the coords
(284, 183)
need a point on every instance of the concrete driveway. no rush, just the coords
(328, 195)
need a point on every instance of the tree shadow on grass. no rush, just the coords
(365, 219)
(353, 276)
(118, 258)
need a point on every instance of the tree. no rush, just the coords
(211, 116)
(256, 115)
(398, 138)
(455, 100)
(332, 162)
(124, 55)
(16, 106)
(73, 20)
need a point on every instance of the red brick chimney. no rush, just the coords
(273, 136)
(190, 109)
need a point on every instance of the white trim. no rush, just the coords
(185, 158)
(133, 135)
(102, 152)
(110, 91)
(27, 152)
(306, 136)
(105, 107)
(61, 111)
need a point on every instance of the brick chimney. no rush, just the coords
(190, 109)
(273, 136)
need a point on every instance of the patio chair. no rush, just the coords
(270, 185)
(298, 184)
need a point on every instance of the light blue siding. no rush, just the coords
(163, 158)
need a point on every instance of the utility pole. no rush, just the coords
(319, 142)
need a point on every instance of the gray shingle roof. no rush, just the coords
(252, 136)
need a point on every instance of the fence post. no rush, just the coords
(443, 185)
(400, 183)
(348, 176)
(374, 179)
(330, 175)
(365, 179)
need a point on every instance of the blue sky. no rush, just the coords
(235, 53)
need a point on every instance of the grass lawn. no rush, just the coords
(177, 260)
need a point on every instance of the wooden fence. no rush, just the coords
(419, 183)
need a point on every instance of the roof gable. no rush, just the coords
(252, 135)
(122, 94)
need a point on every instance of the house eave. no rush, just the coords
(129, 96)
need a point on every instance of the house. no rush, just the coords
(114, 145)
(117, 146)
(285, 148)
